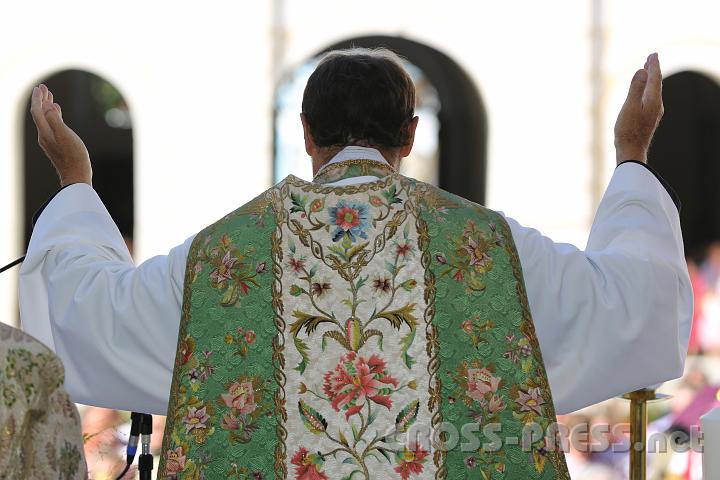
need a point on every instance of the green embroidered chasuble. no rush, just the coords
(378, 330)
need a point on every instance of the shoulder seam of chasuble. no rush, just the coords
(375, 330)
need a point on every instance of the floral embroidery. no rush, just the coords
(245, 402)
(354, 332)
(475, 329)
(350, 221)
(355, 380)
(308, 466)
(244, 473)
(350, 287)
(233, 272)
(470, 258)
(530, 401)
(242, 339)
(410, 460)
(195, 418)
(519, 351)
(175, 461)
(69, 461)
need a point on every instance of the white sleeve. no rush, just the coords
(616, 317)
(114, 325)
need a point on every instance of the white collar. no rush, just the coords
(355, 153)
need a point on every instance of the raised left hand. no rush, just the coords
(60, 143)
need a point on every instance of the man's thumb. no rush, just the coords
(637, 86)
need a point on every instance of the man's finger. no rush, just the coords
(652, 96)
(637, 87)
(52, 116)
(37, 113)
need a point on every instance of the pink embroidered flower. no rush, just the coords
(240, 396)
(477, 250)
(458, 276)
(410, 460)
(496, 404)
(467, 326)
(296, 264)
(195, 418)
(402, 249)
(308, 466)
(530, 401)
(175, 461)
(224, 272)
(250, 337)
(230, 422)
(356, 379)
(481, 381)
(375, 201)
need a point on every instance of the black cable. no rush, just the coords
(12, 264)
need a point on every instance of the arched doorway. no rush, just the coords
(96, 110)
(686, 152)
(452, 137)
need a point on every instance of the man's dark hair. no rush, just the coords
(359, 97)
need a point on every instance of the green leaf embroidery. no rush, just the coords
(406, 417)
(302, 349)
(405, 343)
(310, 322)
(312, 420)
(400, 316)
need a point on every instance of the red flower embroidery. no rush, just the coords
(410, 460)
(296, 264)
(356, 379)
(308, 466)
(346, 218)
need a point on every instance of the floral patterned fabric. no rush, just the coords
(327, 330)
(40, 434)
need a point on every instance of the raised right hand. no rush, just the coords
(640, 114)
(62, 146)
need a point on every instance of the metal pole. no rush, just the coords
(638, 430)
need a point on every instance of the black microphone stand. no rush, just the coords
(145, 462)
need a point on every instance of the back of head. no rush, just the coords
(360, 97)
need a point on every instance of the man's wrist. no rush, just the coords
(66, 180)
(636, 154)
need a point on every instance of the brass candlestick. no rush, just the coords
(638, 430)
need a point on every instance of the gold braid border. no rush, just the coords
(369, 167)
(184, 321)
(431, 333)
(528, 328)
(343, 190)
(278, 358)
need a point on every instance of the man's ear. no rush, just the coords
(310, 146)
(407, 148)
